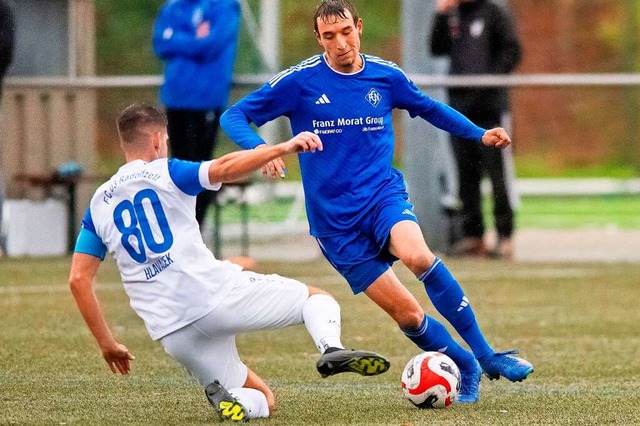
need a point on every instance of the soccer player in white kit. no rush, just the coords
(190, 301)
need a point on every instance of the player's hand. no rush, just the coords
(497, 137)
(275, 168)
(304, 142)
(118, 358)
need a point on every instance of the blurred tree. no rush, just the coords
(630, 147)
(123, 37)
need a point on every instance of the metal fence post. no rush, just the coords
(428, 164)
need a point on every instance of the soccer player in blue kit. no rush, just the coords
(357, 204)
(144, 216)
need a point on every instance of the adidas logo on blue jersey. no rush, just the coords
(323, 100)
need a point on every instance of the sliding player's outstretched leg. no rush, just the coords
(365, 363)
(321, 314)
(227, 407)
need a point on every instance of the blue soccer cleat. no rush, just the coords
(469, 392)
(469, 385)
(501, 364)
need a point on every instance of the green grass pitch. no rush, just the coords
(577, 323)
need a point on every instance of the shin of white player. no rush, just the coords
(321, 314)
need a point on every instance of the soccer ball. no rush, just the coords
(431, 380)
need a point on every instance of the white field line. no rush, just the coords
(324, 281)
(577, 186)
(54, 289)
(519, 275)
(260, 192)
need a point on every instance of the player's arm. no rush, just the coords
(449, 119)
(446, 118)
(236, 124)
(276, 98)
(236, 165)
(89, 252)
(84, 268)
(408, 96)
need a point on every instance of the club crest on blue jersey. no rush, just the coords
(373, 97)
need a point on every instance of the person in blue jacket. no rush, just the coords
(197, 41)
(357, 203)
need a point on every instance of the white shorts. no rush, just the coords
(207, 347)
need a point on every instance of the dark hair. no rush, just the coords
(135, 119)
(332, 8)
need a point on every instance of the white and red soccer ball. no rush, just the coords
(431, 380)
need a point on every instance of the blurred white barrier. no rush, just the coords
(35, 228)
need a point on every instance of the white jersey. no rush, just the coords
(145, 217)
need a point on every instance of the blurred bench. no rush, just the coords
(70, 184)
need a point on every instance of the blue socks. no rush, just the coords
(449, 299)
(433, 336)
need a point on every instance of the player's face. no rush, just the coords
(340, 39)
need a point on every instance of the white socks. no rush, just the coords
(321, 315)
(252, 400)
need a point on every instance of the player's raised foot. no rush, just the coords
(365, 363)
(469, 392)
(502, 364)
(227, 407)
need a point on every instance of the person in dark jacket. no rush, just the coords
(7, 38)
(197, 41)
(480, 38)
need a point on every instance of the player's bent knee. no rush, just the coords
(415, 320)
(409, 319)
(418, 263)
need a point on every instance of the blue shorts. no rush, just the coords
(362, 255)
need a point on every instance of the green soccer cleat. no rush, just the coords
(227, 407)
(364, 363)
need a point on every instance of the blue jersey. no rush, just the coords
(352, 114)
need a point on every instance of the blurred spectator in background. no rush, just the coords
(480, 38)
(7, 35)
(197, 41)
